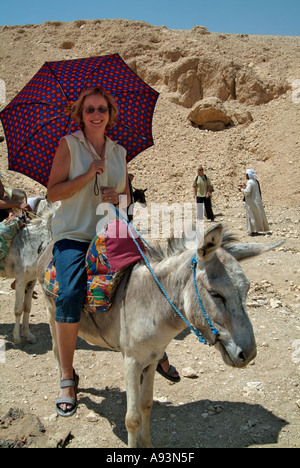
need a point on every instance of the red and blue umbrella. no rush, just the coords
(36, 119)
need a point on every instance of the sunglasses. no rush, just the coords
(92, 109)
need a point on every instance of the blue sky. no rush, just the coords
(276, 17)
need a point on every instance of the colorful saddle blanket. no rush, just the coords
(109, 252)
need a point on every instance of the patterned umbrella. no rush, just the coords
(36, 119)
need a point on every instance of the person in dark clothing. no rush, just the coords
(202, 192)
(130, 207)
(3, 211)
(6, 204)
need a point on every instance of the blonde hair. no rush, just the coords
(77, 106)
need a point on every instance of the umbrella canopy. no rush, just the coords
(36, 119)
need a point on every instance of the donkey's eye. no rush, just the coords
(217, 295)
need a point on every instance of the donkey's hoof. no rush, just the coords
(31, 339)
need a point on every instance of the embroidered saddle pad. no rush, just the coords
(108, 253)
(8, 230)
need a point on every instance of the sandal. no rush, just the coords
(170, 374)
(68, 400)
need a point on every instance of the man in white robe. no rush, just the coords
(256, 220)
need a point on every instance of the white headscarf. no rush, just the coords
(251, 174)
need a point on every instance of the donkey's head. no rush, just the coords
(223, 288)
(139, 196)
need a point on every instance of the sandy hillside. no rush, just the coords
(251, 74)
(254, 79)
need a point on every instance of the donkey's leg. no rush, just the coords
(19, 307)
(27, 308)
(133, 418)
(146, 402)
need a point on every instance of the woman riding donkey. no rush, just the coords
(80, 157)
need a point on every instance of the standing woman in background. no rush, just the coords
(202, 194)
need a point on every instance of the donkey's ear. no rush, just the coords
(211, 242)
(242, 251)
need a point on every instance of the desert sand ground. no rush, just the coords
(255, 407)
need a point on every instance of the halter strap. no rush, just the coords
(193, 265)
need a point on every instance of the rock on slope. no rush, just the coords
(252, 76)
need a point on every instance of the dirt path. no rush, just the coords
(255, 407)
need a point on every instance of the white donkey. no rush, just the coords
(141, 322)
(20, 264)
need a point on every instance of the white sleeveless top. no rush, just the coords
(76, 217)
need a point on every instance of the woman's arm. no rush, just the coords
(109, 195)
(59, 187)
(7, 204)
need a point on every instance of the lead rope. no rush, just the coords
(102, 156)
(193, 264)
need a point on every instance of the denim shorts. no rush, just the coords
(69, 261)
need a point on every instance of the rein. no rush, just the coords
(193, 266)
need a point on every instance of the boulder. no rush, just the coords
(210, 114)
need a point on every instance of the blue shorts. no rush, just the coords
(69, 261)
